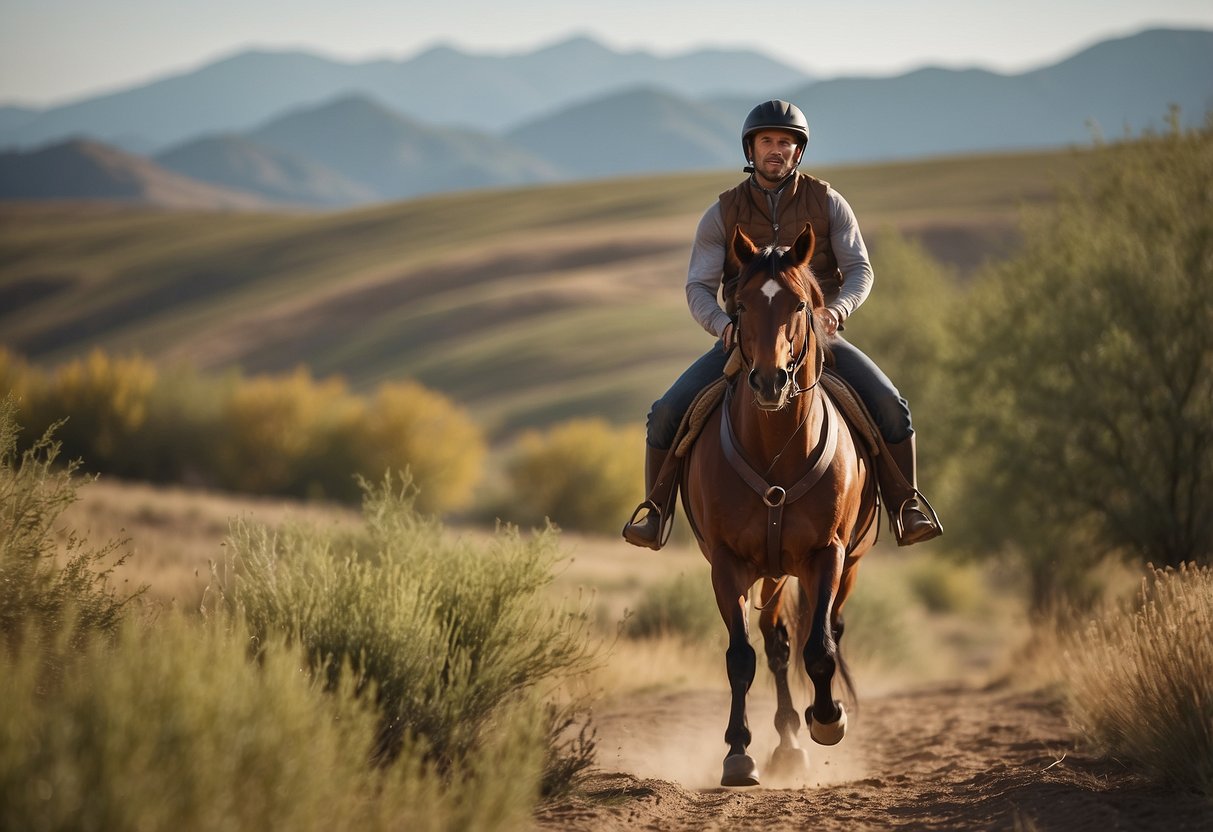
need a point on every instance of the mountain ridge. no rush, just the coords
(496, 89)
(379, 152)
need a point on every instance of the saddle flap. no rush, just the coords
(852, 409)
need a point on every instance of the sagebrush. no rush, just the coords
(51, 579)
(445, 635)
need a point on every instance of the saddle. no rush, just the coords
(852, 408)
(840, 392)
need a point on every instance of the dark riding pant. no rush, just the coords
(666, 413)
(881, 397)
(879, 394)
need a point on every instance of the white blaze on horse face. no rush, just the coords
(771, 288)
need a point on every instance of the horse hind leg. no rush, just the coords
(788, 759)
(826, 716)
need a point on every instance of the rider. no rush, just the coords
(772, 207)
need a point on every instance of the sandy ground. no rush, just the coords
(942, 758)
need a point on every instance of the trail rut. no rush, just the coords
(943, 758)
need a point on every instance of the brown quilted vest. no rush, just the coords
(803, 200)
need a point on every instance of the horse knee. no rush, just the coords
(742, 663)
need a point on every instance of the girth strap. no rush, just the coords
(774, 496)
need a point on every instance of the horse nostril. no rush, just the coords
(781, 379)
(753, 379)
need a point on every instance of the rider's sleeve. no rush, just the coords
(852, 256)
(706, 271)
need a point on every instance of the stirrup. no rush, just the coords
(664, 524)
(897, 521)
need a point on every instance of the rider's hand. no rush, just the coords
(829, 319)
(727, 337)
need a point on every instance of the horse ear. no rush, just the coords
(802, 249)
(743, 247)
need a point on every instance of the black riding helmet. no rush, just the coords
(774, 115)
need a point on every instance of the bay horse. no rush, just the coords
(777, 485)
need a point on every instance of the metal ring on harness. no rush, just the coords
(774, 496)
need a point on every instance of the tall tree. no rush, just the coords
(1088, 373)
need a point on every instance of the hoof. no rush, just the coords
(739, 770)
(829, 733)
(789, 762)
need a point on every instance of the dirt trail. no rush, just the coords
(946, 758)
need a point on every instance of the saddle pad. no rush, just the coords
(697, 414)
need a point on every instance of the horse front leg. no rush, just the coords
(789, 759)
(826, 717)
(731, 581)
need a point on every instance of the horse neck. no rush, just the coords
(790, 433)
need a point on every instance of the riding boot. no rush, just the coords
(910, 515)
(647, 530)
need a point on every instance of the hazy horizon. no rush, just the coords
(51, 52)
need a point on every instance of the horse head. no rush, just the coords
(777, 331)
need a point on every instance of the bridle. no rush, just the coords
(798, 362)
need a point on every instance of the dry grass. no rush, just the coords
(174, 534)
(1140, 682)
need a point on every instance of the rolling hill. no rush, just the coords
(82, 169)
(528, 306)
(237, 162)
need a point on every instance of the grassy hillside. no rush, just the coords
(529, 306)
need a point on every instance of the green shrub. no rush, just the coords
(945, 587)
(172, 727)
(683, 606)
(1085, 420)
(37, 589)
(293, 435)
(449, 636)
(103, 404)
(583, 475)
(882, 622)
(274, 428)
(180, 439)
(407, 427)
(15, 377)
(1140, 685)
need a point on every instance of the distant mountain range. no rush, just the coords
(442, 86)
(304, 130)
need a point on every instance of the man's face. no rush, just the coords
(775, 154)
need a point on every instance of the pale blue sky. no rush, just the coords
(54, 51)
